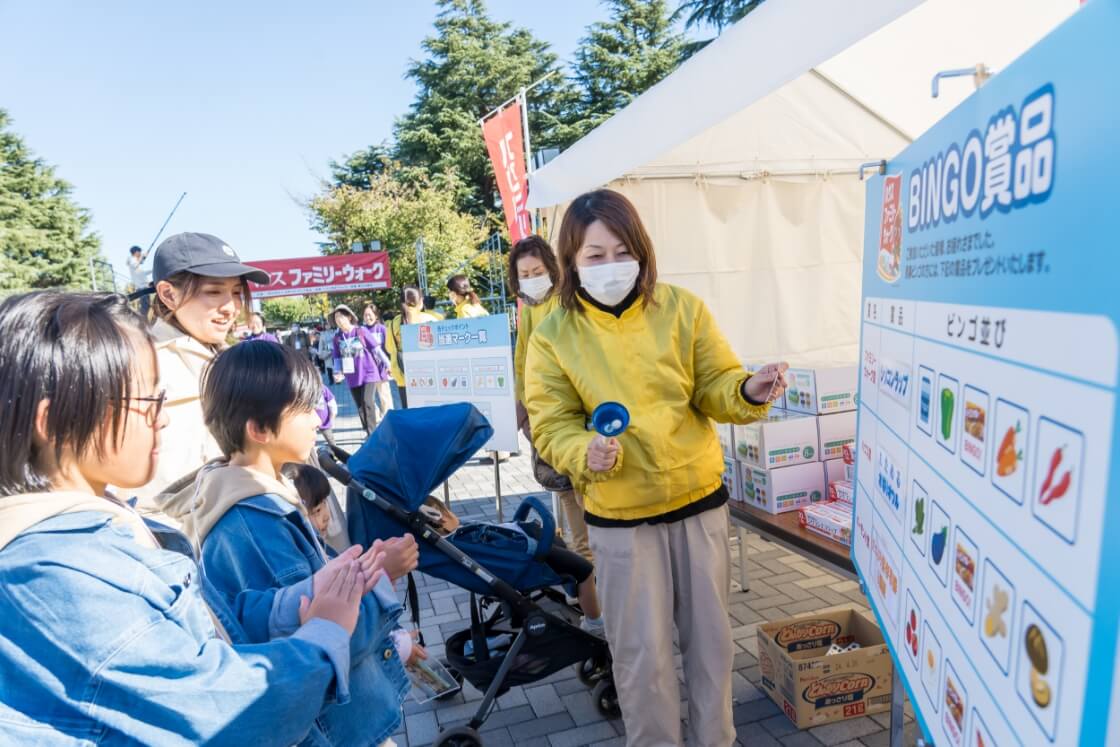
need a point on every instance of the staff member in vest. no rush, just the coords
(412, 312)
(464, 299)
(654, 496)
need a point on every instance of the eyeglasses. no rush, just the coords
(155, 408)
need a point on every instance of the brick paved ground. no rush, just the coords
(558, 711)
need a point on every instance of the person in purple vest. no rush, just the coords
(358, 360)
(257, 330)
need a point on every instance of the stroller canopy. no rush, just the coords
(413, 451)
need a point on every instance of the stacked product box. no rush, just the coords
(787, 461)
(831, 520)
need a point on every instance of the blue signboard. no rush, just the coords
(987, 452)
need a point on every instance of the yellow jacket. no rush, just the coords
(468, 310)
(673, 370)
(531, 317)
(393, 340)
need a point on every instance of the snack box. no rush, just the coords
(732, 479)
(782, 439)
(831, 520)
(813, 687)
(726, 434)
(841, 491)
(822, 390)
(834, 432)
(785, 488)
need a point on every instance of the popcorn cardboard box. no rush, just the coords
(783, 489)
(783, 439)
(732, 479)
(726, 434)
(834, 432)
(813, 687)
(822, 390)
(831, 520)
(838, 469)
(753, 367)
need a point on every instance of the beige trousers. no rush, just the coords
(651, 577)
(572, 503)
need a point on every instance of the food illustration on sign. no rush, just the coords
(994, 624)
(912, 632)
(1009, 454)
(954, 703)
(919, 516)
(947, 412)
(937, 544)
(966, 566)
(1039, 658)
(974, 419)
(1053, 490)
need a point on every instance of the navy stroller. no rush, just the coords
(521, 627)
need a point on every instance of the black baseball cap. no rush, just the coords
(202, 254)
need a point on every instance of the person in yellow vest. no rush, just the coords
(464, 299)
(533, 275)
(654, 497)
(412, 312)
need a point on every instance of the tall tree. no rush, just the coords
(622, 57)
(45, 240)
(718, 14)
(472, 65)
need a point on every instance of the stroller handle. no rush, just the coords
(548, 524)
(330, 459)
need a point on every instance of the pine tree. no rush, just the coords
(473, 64)
(717, 13)
(45, 240)
(622, 57)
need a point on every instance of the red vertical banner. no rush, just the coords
(506, 147)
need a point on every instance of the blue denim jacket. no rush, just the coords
(104, 641)
(259, 557)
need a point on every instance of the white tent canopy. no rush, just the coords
(748, 180)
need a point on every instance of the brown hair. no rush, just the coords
(376, 312)
(620, 216)
(462, 286)
(411, 299)
(189, 285)
(531, 246)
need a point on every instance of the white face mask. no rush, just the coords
(535, 288)
(609, 284)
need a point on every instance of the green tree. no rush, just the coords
(472, 65)
(622, 57)
(45, 241)
(282, 312)
(716, 13)
(358, 167)
(401, 206)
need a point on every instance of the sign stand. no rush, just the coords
(497, 484)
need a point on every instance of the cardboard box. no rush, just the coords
(812, 687)
(834, 432)
(732, 479)
(831, 520)
(783, 489)
(838, 469)
(822, 390)
(841, 491)
(783, 439)
(726, 434)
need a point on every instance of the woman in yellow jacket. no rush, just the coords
(464, 299)
(533, 276)
(654, 497)
(412, 312)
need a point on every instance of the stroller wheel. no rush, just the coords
(591, 669)
(460, 736)
(605, 696)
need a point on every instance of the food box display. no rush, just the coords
(834, 432)
(831, 520)
(841, 491)
(785, 488)
(822, 390)
(838, 469)
(814, 687)
(782, 439)
(732, 477)
(726, 434)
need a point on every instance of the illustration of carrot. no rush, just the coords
(1008, 457)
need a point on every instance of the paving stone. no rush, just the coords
(798, 608)
(421, 728)
(778, 726)
(541, 727)
(583, 735)
(800, 739)
(841, 731)
(910, 734)
(544, 700)
(752, 735)
(755, 710)
(786, 578)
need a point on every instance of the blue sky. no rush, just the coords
(240, 104)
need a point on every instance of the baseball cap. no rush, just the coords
(202, 254)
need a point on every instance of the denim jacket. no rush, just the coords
(107, 642)
(259, 557)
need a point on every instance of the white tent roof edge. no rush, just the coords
(715, 85)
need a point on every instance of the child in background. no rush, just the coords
(327, 410)
(255, 537)
(314, 489)
(105, 637)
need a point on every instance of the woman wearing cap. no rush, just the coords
(654, 497)
(359, 360)
(200, 292)
(412, 312)
(464, 299)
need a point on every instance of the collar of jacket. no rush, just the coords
(629, 303)
(18, 513)
(219, 487)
